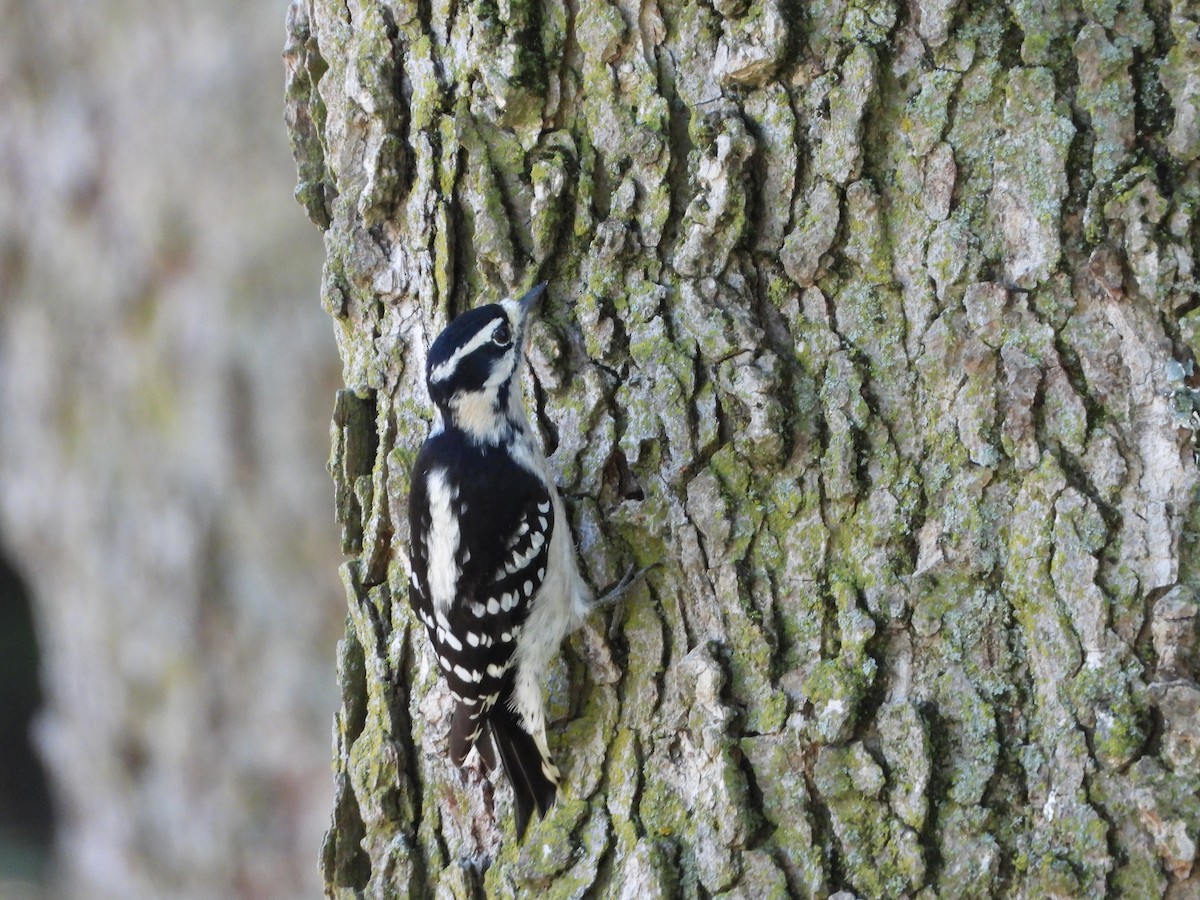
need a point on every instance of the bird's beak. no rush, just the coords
(528, 303)
(527, 306)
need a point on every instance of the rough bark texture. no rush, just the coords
(872, 323)
(164, 369)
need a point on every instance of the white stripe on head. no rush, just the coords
(444, 370)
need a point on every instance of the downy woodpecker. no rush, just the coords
(494, 575)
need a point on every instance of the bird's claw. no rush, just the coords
(633, 575)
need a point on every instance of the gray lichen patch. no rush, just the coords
(1181, 78)
(1031, 178)
(769, 115)
(839, 150)
(813, 235)
(906, 749)
(934, 18)
(305, 113)
(752, 44)
(715, 219)
(1106, 92)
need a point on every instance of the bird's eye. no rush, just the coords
(502, 336)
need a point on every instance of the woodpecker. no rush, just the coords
(494, 574)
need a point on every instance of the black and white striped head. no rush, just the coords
(474, 368)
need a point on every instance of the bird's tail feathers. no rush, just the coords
(527, 764)
(468, 728)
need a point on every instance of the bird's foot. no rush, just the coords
(632, 577)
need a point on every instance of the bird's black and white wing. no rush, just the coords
(476, 569)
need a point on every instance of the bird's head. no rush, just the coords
(474, 368)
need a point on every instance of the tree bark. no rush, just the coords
(871, 322)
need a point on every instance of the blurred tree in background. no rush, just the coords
(165, 380)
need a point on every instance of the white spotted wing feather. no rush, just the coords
(475, 603)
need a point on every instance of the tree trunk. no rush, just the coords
(872, 323)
